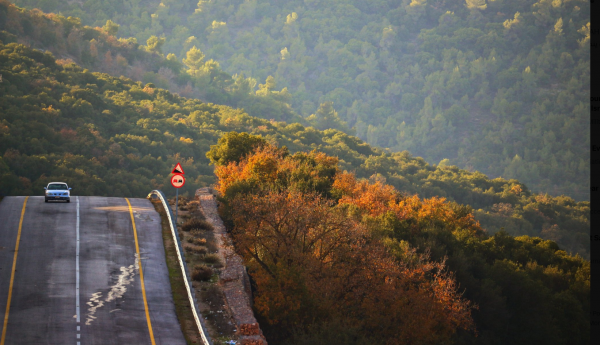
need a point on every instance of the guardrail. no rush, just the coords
(180, 255)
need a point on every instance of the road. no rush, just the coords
(77, 277)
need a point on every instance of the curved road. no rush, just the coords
(41, 287)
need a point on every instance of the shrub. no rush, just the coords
(199, 241)
(196, 224)
(202, 272)
(195, 248)
(213, 259)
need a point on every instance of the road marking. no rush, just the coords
(137, 249)
(12, 274)
(77, 308)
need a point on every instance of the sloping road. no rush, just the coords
(76, 277)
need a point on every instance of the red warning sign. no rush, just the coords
(177, 181)
(178, 169)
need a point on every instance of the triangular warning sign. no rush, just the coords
(178, 169)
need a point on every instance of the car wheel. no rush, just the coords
(46, 200)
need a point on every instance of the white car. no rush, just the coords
(58, 191)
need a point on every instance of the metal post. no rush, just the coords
(176, 204)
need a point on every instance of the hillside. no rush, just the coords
(97, 49)
(115, 137)
(337, 260)
(498, 86)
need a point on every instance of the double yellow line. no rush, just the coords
(137, 249)
(12, 273)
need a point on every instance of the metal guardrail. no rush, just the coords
(181, 257)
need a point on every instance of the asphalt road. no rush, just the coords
(112, 309)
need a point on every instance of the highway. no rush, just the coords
(70, 273)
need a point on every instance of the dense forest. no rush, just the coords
(97, 49)
(499, 86)
(113, 136)
(340, 260)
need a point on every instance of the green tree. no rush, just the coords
(232, 147)
(326, 117)
(266, 88)
(194, 61)
(476, 4)
(154, 44)
(111, 27)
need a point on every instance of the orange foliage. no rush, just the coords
(377, 199)
(268, 165)
(373, 198)
(312, 261)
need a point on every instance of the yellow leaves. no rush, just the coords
(585, 31)
(291, 18)
(51, 111)
(216, 25)
(509, 23)
(285, 54)
(419, 3)
(149, 90)
(476, 4)
(186, 140)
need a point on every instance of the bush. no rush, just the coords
(196, 224)
(199, 241)
(213, 259)
(195, 248)
(202, 273)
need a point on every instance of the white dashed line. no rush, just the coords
(77, 273)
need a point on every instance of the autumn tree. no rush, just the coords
(311, 263)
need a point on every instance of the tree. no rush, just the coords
(232, 147)
(266, 88)
(476, 4)
(326, 117)
(111, 27)
(154, 44)
(194, 61)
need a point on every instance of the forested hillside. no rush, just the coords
(500, 86)
(113, 136)
(337, 260)
(99, 50)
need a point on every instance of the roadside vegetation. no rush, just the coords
(199, 249)
(333, 256)
(204, 264)
(180, 297)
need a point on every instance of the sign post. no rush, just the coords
(177, 181)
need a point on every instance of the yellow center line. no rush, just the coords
(137, 249)
(12, 274)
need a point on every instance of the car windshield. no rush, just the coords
(57, 186)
